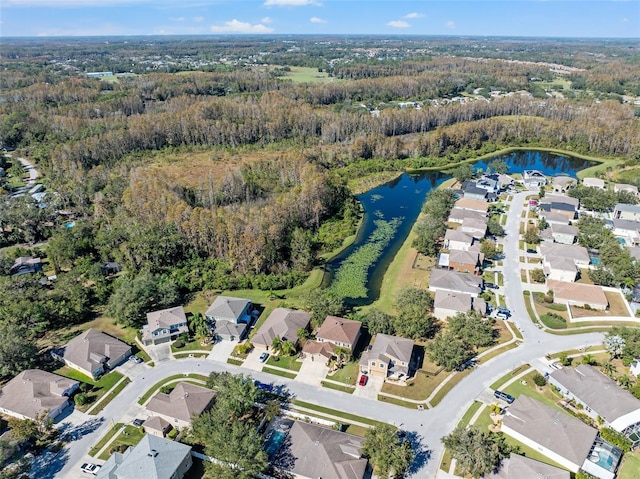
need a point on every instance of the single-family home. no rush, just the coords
(164, 325)
(576, 294)
(504, 181)
(465, 261)
(34, 392)
(457, 239)
(564, 234)
(157, 426)
(578, 254)
(634, 367)
(442, 279)
(563, 205)
(389, 356)
(489, 183)
(181, 404)
(457, 215)
(93, 353)
(473, 205)
(232, 317)
(628, 188)
(475, 227)
(335, 331)
(562, 438)
(472, 192)
(594, 183)
(554, 218)
(449, 303)
(600, 397)
(521, 467)
(560, 269)
(563, 183)
(282, 323)
(623, 211)
(627, 229)
(25, 265)
(533, 179)
(310, 451)
(152, 458)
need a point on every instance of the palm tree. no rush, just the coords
(287, 348)
(608, 368)
(624, 381)
(276, 345)
(589, 359)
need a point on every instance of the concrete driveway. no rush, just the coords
(222, 350)
(253, 360)
(312, 372)
(159, 352)
(132, 369)
(371, 390)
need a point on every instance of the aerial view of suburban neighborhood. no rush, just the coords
(293, 239)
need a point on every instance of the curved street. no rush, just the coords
(427, 426)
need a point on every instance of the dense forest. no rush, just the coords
(205, 164)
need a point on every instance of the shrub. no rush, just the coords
(565, 360)
(617, 439)
(245, 348)
(81, 399)
(178, 344)
(539, 380)
(167, 389)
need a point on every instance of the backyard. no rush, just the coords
(617, 307)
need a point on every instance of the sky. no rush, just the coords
(529, 18)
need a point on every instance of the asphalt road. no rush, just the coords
(424, 427)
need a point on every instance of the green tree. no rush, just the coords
(532, 235)
(477, 452)
(288, 348)
(301, 249)
(323, 304)
(449, 351)
(389, 455)
(494, 228)
(378, 321)
(488, 249)
(616, 438)
(614, 344)
(608, 368)
(539, 380)
(537, 274)
(592, 232)
(472, 328)
(498, 166)
(463, 172)
(414, 319)
(589, 359)
(17, 351)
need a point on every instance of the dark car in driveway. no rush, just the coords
(503, 396)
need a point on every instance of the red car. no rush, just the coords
(363, 380)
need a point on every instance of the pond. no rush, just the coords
(390, 211)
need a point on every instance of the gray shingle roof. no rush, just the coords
(392, 347)
(316, 451)
(227, 308)
(597, 391)
(563, 434)
(340, 330)
(90, 349)
(452, 281)
(452, 300)
(520, 467)
(165, 318)
(458, 235)
(282, 323)
(185, 401)
(153, 458)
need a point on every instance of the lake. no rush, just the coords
(390, 211)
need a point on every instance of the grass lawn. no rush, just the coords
(546, 395)
(153, 389)
(112, 432)
(129, 436)
(445, 464)
(449, 386)
(307, 75)
(418, 388)
(110, 396)
(508, 376)
(617, 307)
(235, 362)
(277, 372)
(356, 430)
(192, 346)
(333, 412)
(347, 374)
(584, 277)
(630, 467)
(469, 413)
(337, 387)
(99, 387)
(286, 362)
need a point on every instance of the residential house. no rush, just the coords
(594, 183)
(157, 426)
(181, 404)
(489, 183)
(561, 199)
(564, 234)
(341, 332)
(466, 261)
(475, 227)
(521, 467)
(164, 326)
(472, 192)
(152, 458)
(389, 356)
(533, 179)
(456, 282)
(93, 353)
(576, 294)
(34, 392)
(562, 205)
(282, 323)
(25, 265)
(554, 218)
(622, 211)
(457, 239)
(634, 367)
(449, 303)
(473, 205)
(310, 451)
(600, 397)
(628, 230)
(560, 269)
(578, 254)
(562, 184)
(562, 438)
(457, 215)
(232, 317)
(504, 181)
(628, 188)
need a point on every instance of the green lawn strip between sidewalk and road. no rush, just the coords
(449, 386)
(285, 362)
(235, 362)
(399, 402)
(151, 391)
(277, 372)
(328, 412)
(104, 439)
(508, 376)
(338, 387)
(107, 398)
(129, 436)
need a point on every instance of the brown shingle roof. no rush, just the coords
(339, 330)
(185, 401)
(90, 349)
(469, 204)
(282, 323)
(315, 347)
(520, 467)
(577, 293)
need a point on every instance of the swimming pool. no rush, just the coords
(276, 434)
(605, 455)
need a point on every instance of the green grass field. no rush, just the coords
(307, 75)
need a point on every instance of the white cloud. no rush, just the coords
(198, 19)
(266, 20)
(317, 20)
(414, 15)
(625, 20)
(235, 26)
(398, 24)
(290, 3)
(451, 24)
(177, 19)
